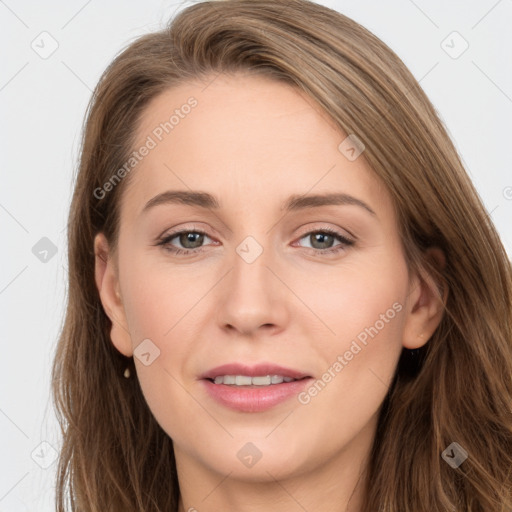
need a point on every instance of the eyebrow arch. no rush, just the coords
(293, 203)
(298, 202)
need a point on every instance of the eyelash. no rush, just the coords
(345, 242)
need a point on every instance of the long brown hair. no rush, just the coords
(114, 455)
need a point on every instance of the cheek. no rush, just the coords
(365, 312)
(162, 304)
(361, 304)
(158, 296)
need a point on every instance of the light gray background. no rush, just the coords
(42, 105)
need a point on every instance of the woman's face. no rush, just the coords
(293, 266)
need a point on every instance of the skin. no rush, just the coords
(252, 142)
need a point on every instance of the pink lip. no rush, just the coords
(253, 399)
(252, 371)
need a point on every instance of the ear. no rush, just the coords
(425, 304)
(107, 282)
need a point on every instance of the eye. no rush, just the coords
(191, 240)
(321, 241)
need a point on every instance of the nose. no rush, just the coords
(253, 297)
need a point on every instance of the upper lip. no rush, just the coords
(252, 371)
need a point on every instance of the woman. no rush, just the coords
(284, 291)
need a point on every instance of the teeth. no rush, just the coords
(245, 380)
(242, 380)
(263, 381)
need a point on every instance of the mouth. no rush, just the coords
(246, 381)
(253, 388)
(262, 374)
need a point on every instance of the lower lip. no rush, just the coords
(254, 399)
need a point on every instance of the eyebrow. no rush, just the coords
(293, 203)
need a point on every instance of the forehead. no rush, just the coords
(244, 138)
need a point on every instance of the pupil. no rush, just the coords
(189, 237)
(322, 235)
